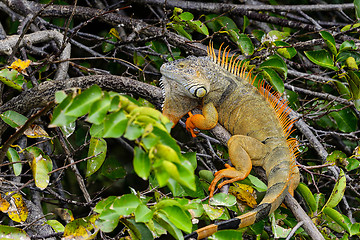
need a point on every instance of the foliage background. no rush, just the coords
(307, 52)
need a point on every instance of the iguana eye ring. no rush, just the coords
(200, 92)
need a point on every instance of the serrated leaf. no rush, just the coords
(13, 156)
(338, 191)
(97, 148)
(321, 58)
(13, 118)
(330, 41)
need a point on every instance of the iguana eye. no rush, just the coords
(198, 92)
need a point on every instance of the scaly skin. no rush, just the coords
(257, 138)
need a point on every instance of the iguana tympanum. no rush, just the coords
(257, 119)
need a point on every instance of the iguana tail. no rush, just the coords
(280, 180)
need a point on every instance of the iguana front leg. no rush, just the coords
(244, 151)
(205, 121)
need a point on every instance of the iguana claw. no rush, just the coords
(190, 125)
(228, 172)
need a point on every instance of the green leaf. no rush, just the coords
(258, 34)
(330, 41)
(347, 45)
(353, 164)
(60, 96)
(222, 199)
(228, 234)
(104, 204)
(180, 30)
(99, 109)
(274, 79)
(138, 231)
(338, 191)
(199, 27)
(321, 58)
(178, 217)
(164, 221)
(245, 44)
(126, 205)
(7, 232)
(246, 23)
(276, 63)
(56, 225)
(345, 119)
(337, 217)
(13, 118)
(143, 213)
(113, 169)
(141, 163)
(213, 212)
(59, 117)
(106, 46)
(186, 16)
(342, 89)
(133, 131)
(41, 165)
(97, 130)
(12, 79)
(115, 124)
(354, 84)
(82, 103)
(13, 156)
(97, 148)
(308, 196)
(286, 52)
(357, 9)
(84, 227)
(350, 26)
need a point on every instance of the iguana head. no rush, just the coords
(184, 85)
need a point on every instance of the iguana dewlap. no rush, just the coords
(256, 119)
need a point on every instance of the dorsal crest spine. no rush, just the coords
(280, 105)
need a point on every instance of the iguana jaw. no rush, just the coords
(175, 94)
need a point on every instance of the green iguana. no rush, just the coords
(257, 119)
